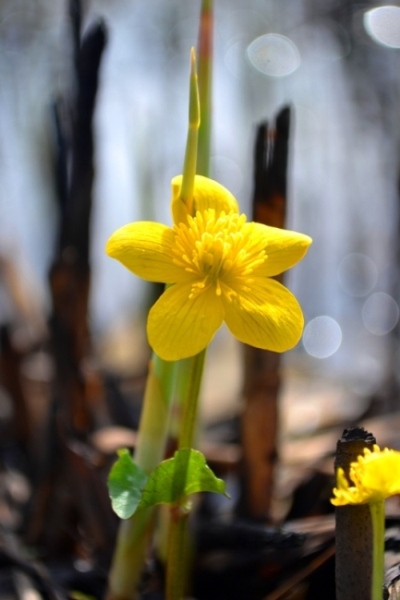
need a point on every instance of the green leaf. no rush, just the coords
(125, 485)
(178, 477)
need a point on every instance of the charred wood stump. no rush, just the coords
(262, 368)
(353, 526)
(68, 491)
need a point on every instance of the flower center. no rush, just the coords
(220, 251)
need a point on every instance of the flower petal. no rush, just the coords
(145, 249)
(344, 493)
(266, 316)
(179, 326)
(375, 475)
(284, 248)
(380, 473)
(207, 194)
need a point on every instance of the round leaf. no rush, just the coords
(125, 485)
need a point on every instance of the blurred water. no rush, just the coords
(344, 90)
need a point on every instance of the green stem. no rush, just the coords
(190, 400)
(190, 162)
(377, 510)
(177, 555)
(154, 419)
(129, 556)
(133, 534)
(205, 86)
(178, 529)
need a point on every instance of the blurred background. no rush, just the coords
(73, 353)
(334, 62)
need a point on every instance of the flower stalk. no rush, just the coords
(190, 402)
(178, 529)
(377, 510)
(177, 565)
(185, 204)
(134, 533)
(205, 49)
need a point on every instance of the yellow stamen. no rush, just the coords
(217, 251)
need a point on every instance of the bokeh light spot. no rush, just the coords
(274, 54)
(380, 313)
(383, 25)
(322, 337)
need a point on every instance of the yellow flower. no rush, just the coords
(375, 476)
(218, 268)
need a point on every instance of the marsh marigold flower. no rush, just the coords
(375, 476)
(218, 268)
